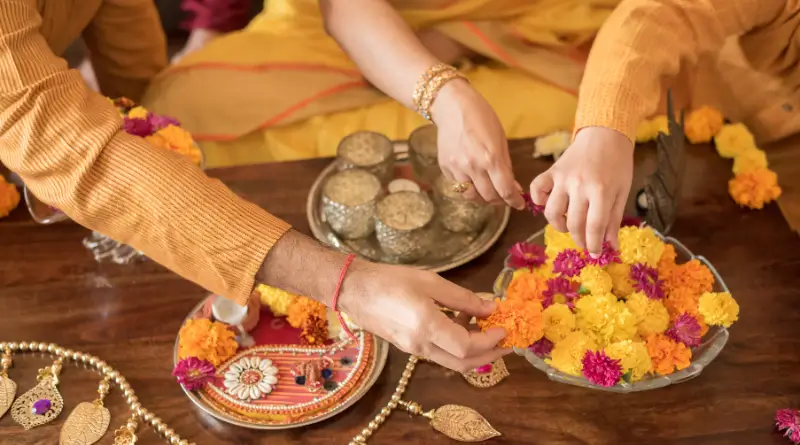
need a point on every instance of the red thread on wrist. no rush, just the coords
(342, 275)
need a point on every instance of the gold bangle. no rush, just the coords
(424, 80)
(432, 91)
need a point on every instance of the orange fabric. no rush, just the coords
(67, 145)
(740, 56)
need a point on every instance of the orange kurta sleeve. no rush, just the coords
(127, 46)
(66, 144)
(645, 43)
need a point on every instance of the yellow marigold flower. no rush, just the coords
(605, 319)
(659, 124)
(556, 241)
(138, 113)
(567, 355)
(552, 144)
(9, 197)
(702, 124)
(277, 300)
(633, 357)
(718, 308)
(640, 245)
(596, 280)
(176, 136)
(648, 130)
(754, 188)
(559, 322)
(651, 315)
(752, 159)
(733, 140)
(620, 279)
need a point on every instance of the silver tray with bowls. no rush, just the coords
(403, 215)
(711, 345)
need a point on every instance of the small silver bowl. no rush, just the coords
(403, 225)
(369, 151)
(423, 153)
(349, 199)
(457, 213)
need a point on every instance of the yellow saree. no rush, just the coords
(282, 89)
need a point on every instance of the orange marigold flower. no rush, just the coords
(692, 275)
(667, 354)
(522, 320)
(754, 188)
(304, 308)
(527, 286)
(315, 330)
(702, 124)
(176, 139)
(207, 340)
(9, 197)
(667, 261)
(682, 300)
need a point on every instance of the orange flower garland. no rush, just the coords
(9, 197)
(206, 340)
(522, 320)
(667, 355)
(755, 188)
(527, 286)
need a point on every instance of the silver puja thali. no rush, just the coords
(448, 250)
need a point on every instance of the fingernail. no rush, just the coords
(594, 255)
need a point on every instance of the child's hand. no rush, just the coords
(585, 191)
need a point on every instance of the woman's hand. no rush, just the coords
(472, 145)
(586, 190)
(399, 304)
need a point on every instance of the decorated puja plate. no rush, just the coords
(656, 322)
(444, 249)
(279, 380)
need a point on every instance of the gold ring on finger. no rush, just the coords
(461, 187)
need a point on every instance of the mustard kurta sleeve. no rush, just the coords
(127, 46)
(644, 44)
(66, 144)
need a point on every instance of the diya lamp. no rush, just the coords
(403, 225)
(369, 151)
(456, 212)
(348, 202)
(423, 153)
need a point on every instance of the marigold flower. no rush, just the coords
(605, 319)
(206, 340)
(682, 300)
(526, 255)
(640, 245)
(718, 308)
(542, 348)
(667, 261)
(755, 188)
(644, 132)
(702, 124)
(277, 300)
(692, 275)
(752, 159)
(620, 279)
(633, 357)
(733, 140)
(601, 369)
(596, 280)
(567, 355)
(659, 124)
(787, 421)
(645, 279)
(559, 321)
(526, 286)
(651, 315)
(138, 112)
(304, 308)
(560, 290)
(667, 354)
(556, 241)
(568, 263)
(521, 319)
(686, 330)
(9, 197)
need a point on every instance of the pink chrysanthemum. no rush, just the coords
(607, 256)
(158, 122)
(542, 348)
(630, 221)
(193, 373)
(645, 279)
(786, 420)
(560, 290)
(528, 255)
(137, 127)
(535, 209)
(686, 330)
(568, 263)
(601, 369)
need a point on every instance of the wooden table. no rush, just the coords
(52, 290)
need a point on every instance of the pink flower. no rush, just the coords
(485, 369)
(786, 420)
(568, 263)
(159, 122)
(686, 330)
(560, 290)
(193, 373)
(630, 221)
(601, 369)
(529, 255)
(137, 127)
(542, 347)
(607, 256)
(645, 279)
(535, 209)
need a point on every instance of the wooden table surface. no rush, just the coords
(52, 290)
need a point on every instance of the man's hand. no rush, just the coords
(585, 191)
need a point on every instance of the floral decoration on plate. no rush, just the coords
(251, 378)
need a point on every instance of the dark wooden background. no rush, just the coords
(52, 290)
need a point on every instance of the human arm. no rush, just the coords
(127, 46)
(472, 144)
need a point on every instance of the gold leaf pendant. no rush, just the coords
(87, 424)
(38, 406)
(486, 378)
(461, 423)
(8, 389)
